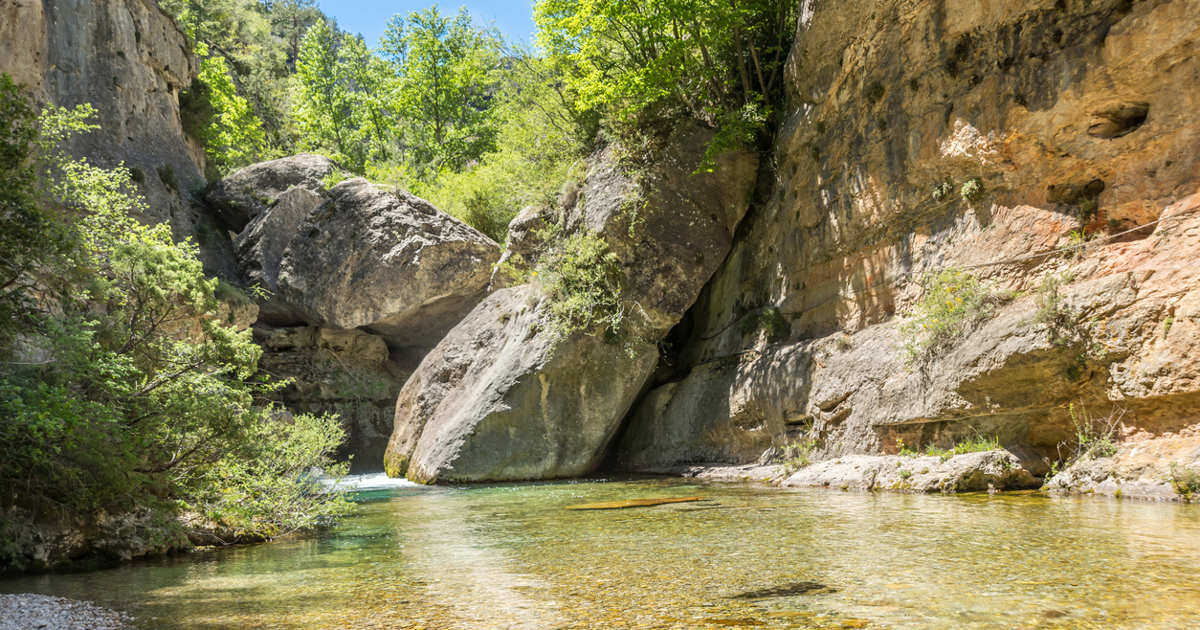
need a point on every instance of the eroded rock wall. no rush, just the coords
(129, 60)
(1076, 120)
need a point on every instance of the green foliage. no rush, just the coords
(941, 191)
(583, 280)
(953, 300)
(258, 41)
(977, 444)
(536, 152)
(1094, 437)
(630, 62)
(232, 136)
(971, 189)
(324, 113)
(1185, 481)
(769, 320)
(120, 390)
(798, 454)
(445, 68)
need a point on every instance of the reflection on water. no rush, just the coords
(511, 557)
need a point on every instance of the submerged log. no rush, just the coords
(632, 503)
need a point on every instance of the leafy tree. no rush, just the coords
(536, 150)
(633, 63)
(290, 20)
(121, 388)
(446, 68)
(232, 136)
(324, 107)
(369, 82)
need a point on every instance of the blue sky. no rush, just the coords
(514, 18)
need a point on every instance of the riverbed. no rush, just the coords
(512, 556)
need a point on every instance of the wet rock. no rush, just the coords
(387, 261)
(1145, 466)
(785, 590)
(990, 470)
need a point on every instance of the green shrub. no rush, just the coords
(953, 301)
(797, 454)
(770, 320)
(106, 406)
(1185, 481)
(583, 278)
(971, 189)
(941, 191)
(1094, 437)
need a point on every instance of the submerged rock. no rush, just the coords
(27, 610)
(506, 395)
(632, 503)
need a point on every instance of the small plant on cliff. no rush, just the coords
(978, 444)
(798, 454)
(1185, 481)
(583, 277)
(953, 301)
(769, 320)
(941, 191)
(971, 189)
(1094, 437)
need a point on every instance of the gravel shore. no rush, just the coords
(31, 612)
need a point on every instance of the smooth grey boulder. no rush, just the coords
(507, 395)
(259, 250)
(501, 398)
(387, 261)
(241, 196)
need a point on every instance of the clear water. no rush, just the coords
(511, 557)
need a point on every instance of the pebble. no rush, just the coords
(31, 612)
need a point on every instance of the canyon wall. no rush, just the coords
(130, 61)
(1046, 150)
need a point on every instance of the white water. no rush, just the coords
(372, 481)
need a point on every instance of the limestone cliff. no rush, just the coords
(1019, 141)
(129, 60)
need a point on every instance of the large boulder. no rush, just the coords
(243, 195)
(501, 398)
(509, 395)
(388, 261)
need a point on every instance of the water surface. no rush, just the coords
(511, 556)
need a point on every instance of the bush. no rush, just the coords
(953, 301)
(111, 401)
(583, 280)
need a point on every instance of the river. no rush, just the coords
(511, 556)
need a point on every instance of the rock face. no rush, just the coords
(248, 193)
(387, 261)
(991, 470)
(506, 396)
(347, 372)
(130, 61)
(960, 135)
(360, 282)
